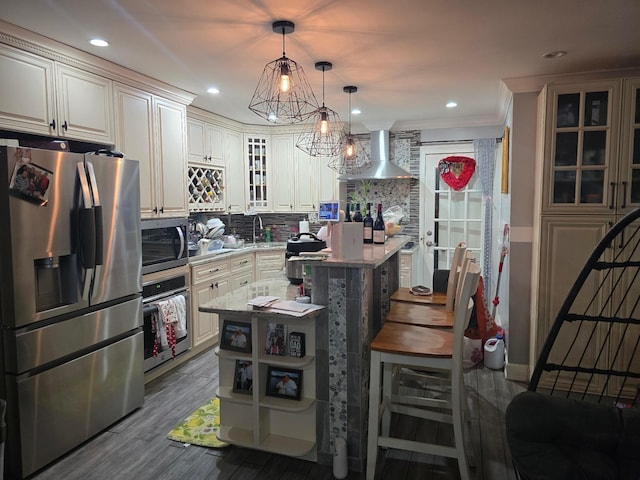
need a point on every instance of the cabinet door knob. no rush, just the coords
(161, 209)
(53, 124)
(155, 209)
(64, 125)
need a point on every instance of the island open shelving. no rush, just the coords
(250, 417)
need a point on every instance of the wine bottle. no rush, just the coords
(347, 214)
(357, 217)
(378, 227)
(367, 232)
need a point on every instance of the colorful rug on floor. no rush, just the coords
(200, 427)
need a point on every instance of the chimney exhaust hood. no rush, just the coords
(381, 166)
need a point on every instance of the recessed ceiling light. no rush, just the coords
(213, 90)
(451, 105)
(98, 42)
(356, 111)
(555, 54)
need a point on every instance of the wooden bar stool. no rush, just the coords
(429, 349)
(432, 315)
(403, 294)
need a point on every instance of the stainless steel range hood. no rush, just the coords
(381, 166)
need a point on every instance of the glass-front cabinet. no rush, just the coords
(258, 171)
(631, 148)
(592, 164)
(581, 154)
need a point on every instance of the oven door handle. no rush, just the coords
(182, 241)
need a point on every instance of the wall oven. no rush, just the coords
(164, 244)
(160, 292)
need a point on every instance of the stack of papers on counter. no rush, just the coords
(262, 301)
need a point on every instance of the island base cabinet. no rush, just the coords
(253, 418)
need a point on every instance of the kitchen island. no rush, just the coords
(336, 366)
(256, 412)
(356, 294)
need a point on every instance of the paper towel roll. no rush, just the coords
(340, 460)
(303, 226)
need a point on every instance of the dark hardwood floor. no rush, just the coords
(137, 447)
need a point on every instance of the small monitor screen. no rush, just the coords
(329, 211)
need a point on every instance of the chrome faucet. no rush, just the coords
(254, 226)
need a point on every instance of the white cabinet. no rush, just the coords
(269, 264)
(134, 137)
(151, 130)
(299, 181)
(307, 169)
(50, 98)
(85, 105)
(328, 185)
(27, 97)
(256, 420)
(209, 280)
(205, 142)
(406, 269)
(258, 171)
(590, 169)
(171, 158)
(242, 270)
(235, 198)
(282, 182)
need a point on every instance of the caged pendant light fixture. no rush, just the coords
(322, 136)
(354, 158)
(283, 94)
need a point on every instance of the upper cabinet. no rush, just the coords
(235, 198)
(585, 169)
(152, 130)
(258, 172)
(205, 142)
(44, 97)
(295, 181)
(630, 153)
(171, 158)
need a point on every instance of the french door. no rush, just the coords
(447, 216)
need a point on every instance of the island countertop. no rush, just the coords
(372, 255)
(237, 301)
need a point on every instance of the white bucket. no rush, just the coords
(494, 353)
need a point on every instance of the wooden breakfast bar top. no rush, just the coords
(403, 294)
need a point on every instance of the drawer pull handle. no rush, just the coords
(214, 270)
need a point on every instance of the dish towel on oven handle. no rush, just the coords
(181, 310)
(167, 320)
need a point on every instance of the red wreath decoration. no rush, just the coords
(456, 171)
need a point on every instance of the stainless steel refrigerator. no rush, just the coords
(70, 299)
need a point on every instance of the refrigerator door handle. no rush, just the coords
(182, 242)
(97, 208)
(86, 222)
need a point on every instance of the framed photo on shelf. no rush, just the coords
(243, 377)
(275, 341)
(296, 344)
(284, 383)
(236, 336)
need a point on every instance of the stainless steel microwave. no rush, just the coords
(164, 244)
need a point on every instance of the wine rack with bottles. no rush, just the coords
(206, 188)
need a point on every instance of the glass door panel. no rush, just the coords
(580, 152)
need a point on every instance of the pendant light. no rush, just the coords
(283, 94)
(322, 136)
(354, 158)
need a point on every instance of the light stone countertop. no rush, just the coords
(372, 255)
(230, 252)
(237, 300)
